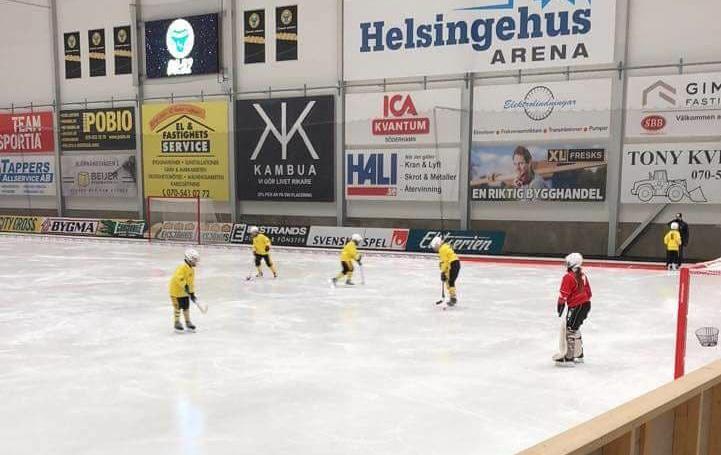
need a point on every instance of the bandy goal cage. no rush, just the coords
(699, 316)
(190, 220)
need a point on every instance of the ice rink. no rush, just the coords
(91, 365)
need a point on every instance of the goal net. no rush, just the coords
(699, 307)
(186, 220)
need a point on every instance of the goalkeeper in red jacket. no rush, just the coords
(576, 294)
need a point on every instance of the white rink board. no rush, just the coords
(293, 366)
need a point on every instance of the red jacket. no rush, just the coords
(573, 294)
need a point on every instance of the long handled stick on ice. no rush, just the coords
(203, 308)
(443, 294)
(363, 276)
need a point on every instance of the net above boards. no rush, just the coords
(699, 307)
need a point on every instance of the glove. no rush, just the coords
(443, 277)
(193, 297)
(560, 306)
(267, 249)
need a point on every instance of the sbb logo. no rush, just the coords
(372, 174)
(400, 117)
(653, 123)
(119, 120)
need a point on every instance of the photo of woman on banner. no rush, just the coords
(538, 172)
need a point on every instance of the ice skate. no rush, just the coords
(178, 327)
(189, 325)
(334, 282)
(452, 301)
(349, 283)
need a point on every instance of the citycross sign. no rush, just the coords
(407, 38)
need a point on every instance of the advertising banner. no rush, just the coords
(423, 117)
(254, 36)
(463, 242)
(215, 232)
(185, 150)
(27, 175)
(182, 46)
(541, 111)
(123, 50)
(70, 226)
(671, 173)
(133, 229)
(405, 38)
(99, 175)
(373, 238)
(286, 33)
(538, 173)
(96, 47)
(186, 231)
(21, 224)
(71, 48)
(403, 175)
(285, 149)
(30, 132)
(684, 105)
(98, 129)
(279, 235)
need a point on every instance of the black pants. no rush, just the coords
(266, 257)
(183, 303)
(672, 257)
(453, 273)
(577, 315)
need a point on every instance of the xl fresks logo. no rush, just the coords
(180, 40)
(505, 23)
(400, 118)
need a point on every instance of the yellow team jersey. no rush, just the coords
(672, 240)
(447, 255)
(184, 275)
(261, 245)
(349, 253)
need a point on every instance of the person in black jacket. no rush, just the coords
(683, 230)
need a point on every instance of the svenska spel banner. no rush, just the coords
(185, 150)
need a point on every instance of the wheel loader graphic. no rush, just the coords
(658, 185)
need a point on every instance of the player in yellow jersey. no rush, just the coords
(261, 251)
(182, 289)
(347, 256)
(450, 267)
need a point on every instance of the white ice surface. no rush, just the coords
(90, 364)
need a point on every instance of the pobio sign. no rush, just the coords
(383, 40)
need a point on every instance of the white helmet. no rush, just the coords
(574, 261)
(436, 243)
(357, 238)
(253, 230)
(674, 225)
(192, 256)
